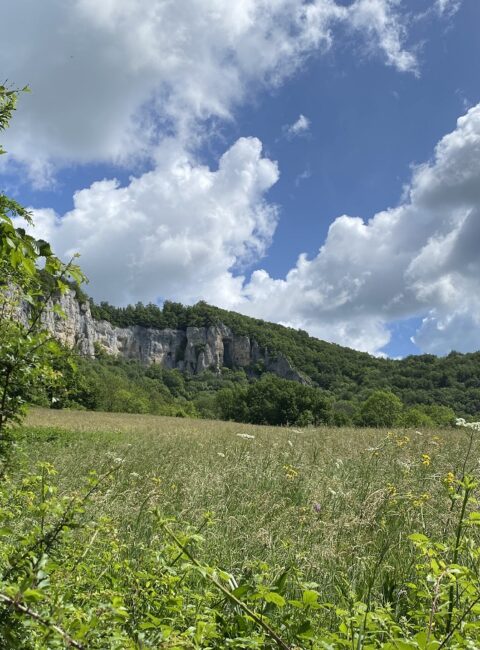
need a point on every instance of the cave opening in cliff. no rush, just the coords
(227, 353)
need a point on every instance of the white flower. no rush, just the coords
(221, 454)
(460, 422)
(246, 436)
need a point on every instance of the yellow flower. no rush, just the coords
(290, 472)
(449, 479)
(421, 499)
(426, 460)
(391, 489)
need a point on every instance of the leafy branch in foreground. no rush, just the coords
(30, 277)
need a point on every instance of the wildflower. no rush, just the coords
(460, 422)
(134, 474)
(421, 499)
(221, 454)
(317, 508)
(391, 489)
(290, 472)
(426, 460)
(245, 436)
(402, 441)
(449, 479)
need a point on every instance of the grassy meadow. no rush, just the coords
(339, 504)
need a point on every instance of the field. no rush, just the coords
(332, 508)
(331, 500)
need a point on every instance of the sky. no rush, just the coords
(309, 162)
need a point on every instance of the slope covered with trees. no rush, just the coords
(345, 376)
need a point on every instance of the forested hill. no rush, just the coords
(347, 375)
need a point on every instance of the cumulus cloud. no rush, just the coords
(112, 79)
(128, 80)
(178, 232)
(299, 127)
(183, 230)
(417, 259)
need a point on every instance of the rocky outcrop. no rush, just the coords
(192, 350)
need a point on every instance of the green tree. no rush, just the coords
(381, 409)
(31, 277)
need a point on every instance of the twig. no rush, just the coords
(23, 609)
(458, 623)
(271, 632)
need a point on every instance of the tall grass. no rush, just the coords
(337, 503)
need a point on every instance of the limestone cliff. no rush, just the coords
(192, 350)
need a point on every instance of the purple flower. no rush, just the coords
(317, 508)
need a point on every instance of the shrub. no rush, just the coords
(381, 409)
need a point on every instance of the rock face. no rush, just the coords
(194, 350)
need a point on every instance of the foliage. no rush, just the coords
(30, 276)
(272, 400)
(381, 409)
(119, 385)
(347, 375)
(69, 578)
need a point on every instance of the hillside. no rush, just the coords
(250, 348)
(451, 380)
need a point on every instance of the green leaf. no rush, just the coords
(32, 595)
(310, 597)
(273, 597)
(418, 538)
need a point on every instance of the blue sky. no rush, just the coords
(356, 224)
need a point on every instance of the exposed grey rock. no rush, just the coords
(76, 329)
(194, 350)
(281, 366)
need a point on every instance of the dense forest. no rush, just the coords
(421, 390)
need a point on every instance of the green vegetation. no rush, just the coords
(332, 538)
(344, 375)
(118, 385)
(30, 275)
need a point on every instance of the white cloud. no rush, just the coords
(383, 23)
(183, 230)
(122, 80)
(418, 259)
(175, 232)
(299, 127)
(448, 7)
(111, 79)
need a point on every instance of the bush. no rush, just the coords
(381, 409)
